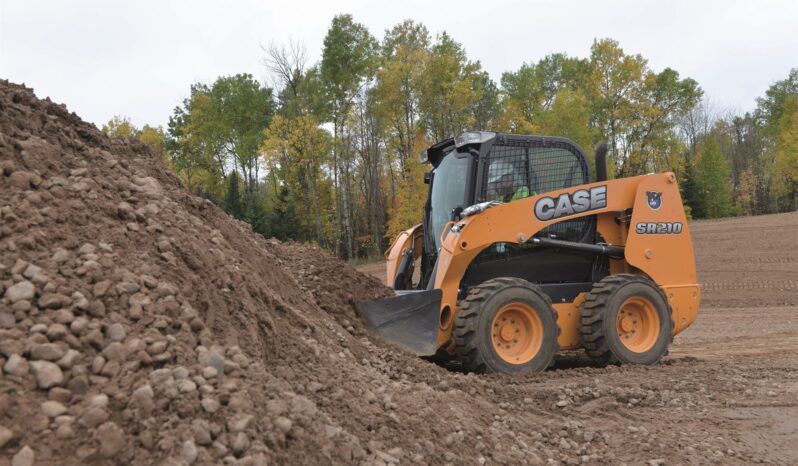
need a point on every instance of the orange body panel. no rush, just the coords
(568, 320)
(393, 256)
(666, 258)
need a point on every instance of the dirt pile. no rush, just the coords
(140, 324)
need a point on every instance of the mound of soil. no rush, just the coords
(140, 324)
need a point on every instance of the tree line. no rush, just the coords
(327, 151)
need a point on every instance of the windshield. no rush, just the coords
(448, 191)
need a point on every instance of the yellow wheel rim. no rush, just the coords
(638, 324)
(516, 333)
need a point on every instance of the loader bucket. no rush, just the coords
(409, 319)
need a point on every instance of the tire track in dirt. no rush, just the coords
(753, 285)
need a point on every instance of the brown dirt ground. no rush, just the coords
(139, 324)
(729, 387)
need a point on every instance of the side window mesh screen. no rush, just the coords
(507, 175)
(517, 169)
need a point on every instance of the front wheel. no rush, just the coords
(626, 319)
(506, 325)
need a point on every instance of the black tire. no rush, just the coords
(599, 320)
(473, 345)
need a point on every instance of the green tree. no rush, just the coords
(232, 200)
(240, 109)
(297, 153)
(772, 106)
(713, 181)
(119, 126)
(448, 90)
(786, 160)
(348, 59)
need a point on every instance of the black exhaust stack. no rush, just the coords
(601, 161)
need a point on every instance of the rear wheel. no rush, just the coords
(626, 319)
(506, 325)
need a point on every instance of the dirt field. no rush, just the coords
(728, 391)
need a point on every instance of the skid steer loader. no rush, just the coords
(520, 256)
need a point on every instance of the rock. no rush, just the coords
(240, 423)
(60, 256)
(210, 405)
(39, 328)
(53, 409)
(389, 459)
(24, 456)
(115, 352)
(31, 271)
(209, 372)
(24, 180)
(54, 301)
(64, 432)
(201, 432)
(57, 331)
(145, 391)
(331, 431)
(157, 348)
(94, 416)
(7, 320)
(5, 435)
(97, 364)
(212, 359)
(100, 288)
(9, 346)
(116, 332)
(186, 386)
(111, 369)
(47, 374)
(87, 248)
(16, 365)
(21, 306)
(180, 372)
(20, 291)
(78, 385)
(148, 186)
(61, 395)
(111, 439)
(46, 352)
(283, 423)
(69, 359)
(78, 325)
(276, 407)
(240, 443)
(7, 167)
(142, 399)
(189, 451)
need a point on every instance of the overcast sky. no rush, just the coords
(138, 58)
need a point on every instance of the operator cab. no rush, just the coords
(479, 167)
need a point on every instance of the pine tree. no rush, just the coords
(284, 223)
(713, 178)
(691, 197)
(232, 201)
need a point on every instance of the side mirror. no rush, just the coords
(455, 214)
(427, 177)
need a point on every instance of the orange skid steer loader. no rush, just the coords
(520, 255)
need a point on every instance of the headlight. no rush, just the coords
(473, 137)
(477, 208)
